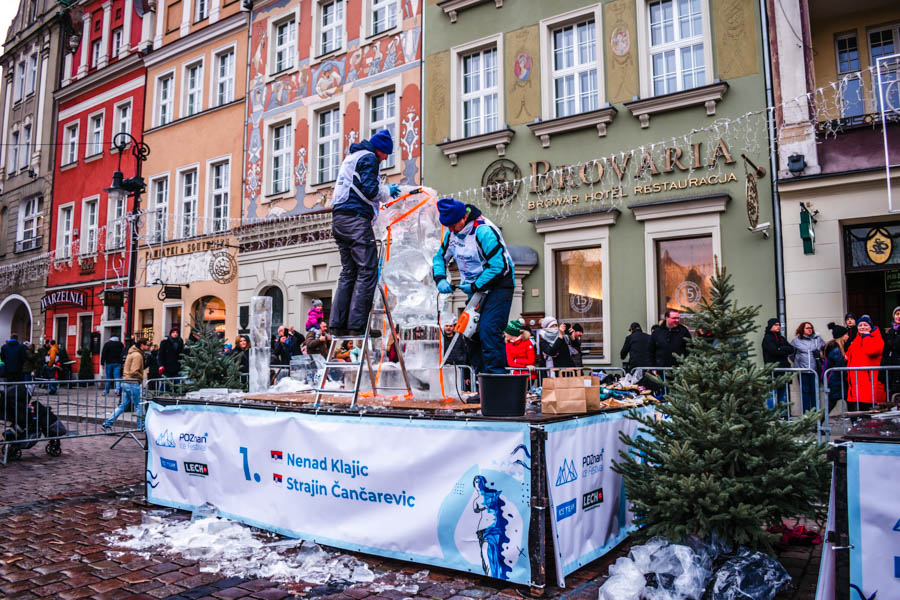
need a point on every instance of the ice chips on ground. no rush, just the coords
(289, 385)
(235, 550)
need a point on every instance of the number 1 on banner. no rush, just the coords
(247, 466)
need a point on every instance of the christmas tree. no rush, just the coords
(720, 462)
(204, 362)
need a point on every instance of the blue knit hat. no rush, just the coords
(382, 141)
(452, 211)
(866, 319)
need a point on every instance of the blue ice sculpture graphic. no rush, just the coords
(483, 524)
(492, 537)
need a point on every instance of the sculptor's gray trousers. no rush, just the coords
(359, 271)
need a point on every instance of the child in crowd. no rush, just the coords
(315, 315)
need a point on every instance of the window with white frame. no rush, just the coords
(847, 54)
(89, 222)
(575, 68)
(70, 141)
(202, 10)
(188, 203)
(677, 60)
(64, 232)
(281, 149)
(115, 223)
(29, 223)
(193, 89)
(383, 115)
(95, 53)
(20, 80)
(220, 182)
(285, 46)
(13, 153)
(95, 135)
(160, 199)
(480, 105)
(116, 41)
(331, 24)
(224, 65)
(384, 15)
(883, 42)
(123, 118)
(164, 93)
(32, 72)
(25, 154)
(328, 141)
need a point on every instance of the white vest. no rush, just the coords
(347, 179)
(467, 253)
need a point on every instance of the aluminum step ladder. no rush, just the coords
(332, 365)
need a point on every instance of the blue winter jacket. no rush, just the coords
(368, 170)
(497, 273)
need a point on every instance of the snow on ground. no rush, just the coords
(235, 550)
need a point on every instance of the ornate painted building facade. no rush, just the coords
(31, 59)
(322, 75)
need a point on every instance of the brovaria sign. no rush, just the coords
(565, 178)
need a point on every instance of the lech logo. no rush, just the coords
(196, 469)
(567, 473)
(879, 245)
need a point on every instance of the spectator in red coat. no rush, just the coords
(865, 351)
(519, 351)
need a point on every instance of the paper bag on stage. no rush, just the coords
(565, 394)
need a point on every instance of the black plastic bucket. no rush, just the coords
(502, 395)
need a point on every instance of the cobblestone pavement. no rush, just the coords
(54, 513)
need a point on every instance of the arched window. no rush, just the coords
(275, 293)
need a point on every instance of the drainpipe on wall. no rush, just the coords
(773, 166)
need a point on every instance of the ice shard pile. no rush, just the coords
(260, 351)
(233, 549)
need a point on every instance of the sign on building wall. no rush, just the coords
(64, 297)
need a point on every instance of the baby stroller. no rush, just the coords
(29, 421)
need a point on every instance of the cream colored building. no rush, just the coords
(196, 88)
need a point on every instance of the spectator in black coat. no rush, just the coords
(459, 354)
(777, 349)
(575, 351)
(890, 356)
(112, 356)
(637, 345)
(554, 345)
(13, 355)
(850, 323)
(170, 351)
(669, 341)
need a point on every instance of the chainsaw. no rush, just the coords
(467, 324)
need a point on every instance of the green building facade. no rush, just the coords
(609, 138)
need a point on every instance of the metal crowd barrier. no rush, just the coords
(49, 411)
(852, 390)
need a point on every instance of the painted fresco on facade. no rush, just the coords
(339, 77)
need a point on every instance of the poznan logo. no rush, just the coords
(196, 469)
(166, 439)
(193, 441)
(566, 473)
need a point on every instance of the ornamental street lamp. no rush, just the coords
(120, 189)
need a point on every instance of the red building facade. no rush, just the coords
(101, 94)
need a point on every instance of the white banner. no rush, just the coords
(454, 494)
(589, 515)
(826, 585)
(873, 486)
